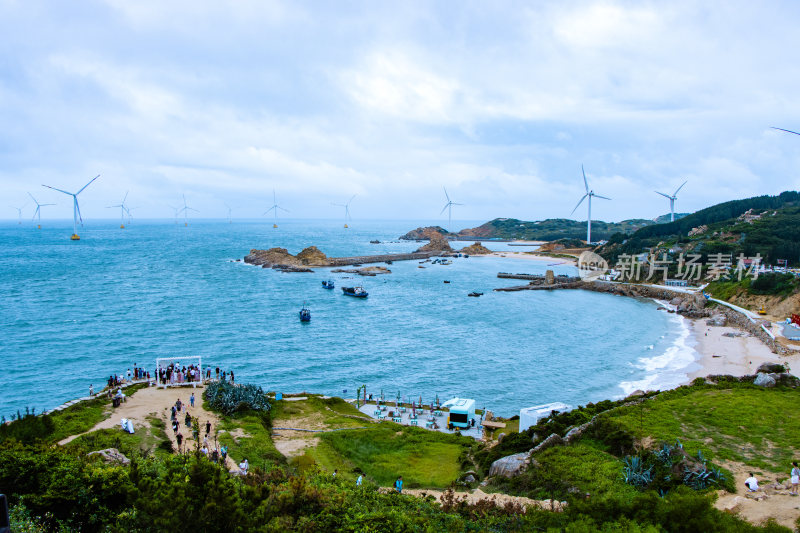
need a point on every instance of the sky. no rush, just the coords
(500, 102)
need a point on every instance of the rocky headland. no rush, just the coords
(437, 242)
(475, 249)
(422, 234)
(310, 257)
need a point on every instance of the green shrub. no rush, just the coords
(228, 398)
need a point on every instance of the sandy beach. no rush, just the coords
(727, 350)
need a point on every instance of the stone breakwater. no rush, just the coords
(281, 259)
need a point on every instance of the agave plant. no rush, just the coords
(228, 398)
(634, 472)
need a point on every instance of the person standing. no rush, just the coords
(335, 471)
(398, 485)
(191, 400)
(208, 427)
(179, 438)
(795, 475)
(91, 390)
(359, 480)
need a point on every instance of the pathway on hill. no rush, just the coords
(477, 495)
(777, 503)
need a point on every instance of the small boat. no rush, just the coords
(305, 314)
(357, 292)
(420, 266)
(328, 284)
(475, 294)
(447, 281)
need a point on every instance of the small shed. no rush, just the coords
(462, 412)
(531, 415)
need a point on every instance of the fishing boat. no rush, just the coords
(475, 294)
(357, 292)
(447, 281)
(328, 284)
(305, 314)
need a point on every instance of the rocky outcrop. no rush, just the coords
(511, 465)
(717, 320)
(273, 256)
(111, 455)
(366, 271)
(764, 380)
(437, 243)
(312, 256)
(771, 368)
(421, 234)
(475, 249)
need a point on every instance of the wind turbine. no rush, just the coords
(38, 210)
(229, 212)
(185, 210)
(275, 208)
(346, 210)
(787, 131)
(588, 194)
(76, 210)
(672, 201)
(19, 211)
(449, 207)
(177, 210)
(122, 210)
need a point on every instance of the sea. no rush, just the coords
(74, 312)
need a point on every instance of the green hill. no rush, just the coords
(551, 229)
(766, 225)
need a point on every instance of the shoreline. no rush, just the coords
(560, 261)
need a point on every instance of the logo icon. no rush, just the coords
(591, 266)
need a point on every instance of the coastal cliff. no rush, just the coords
(437, 243)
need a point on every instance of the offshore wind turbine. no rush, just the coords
(274, 208)
(229, 212)
(176, 209)
(19, 211)
(76, 210)
(38, 210)
(346, 210)
(589, 194)
(122, 210)
(185, 210)
(449, 207)
(672, 201)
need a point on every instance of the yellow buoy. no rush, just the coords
(346, 226)
(39, 226)
(75, 237)
(122, 226)
(274, 225)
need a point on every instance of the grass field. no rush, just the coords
(145, 441)
(383, 451)
(744, 423)
(247, 436)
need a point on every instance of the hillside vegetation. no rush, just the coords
(551, 229)
(765, 225)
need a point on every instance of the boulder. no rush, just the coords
(469, 478)
(500, 437)
(764, 380)
(509, 466)
(111, 455)
(757, 496)
(717, 320)
(475, 249)
(734, 505)
(437, 243)
(635, 394)
(771, 368)
(553, 440)
(312, 256)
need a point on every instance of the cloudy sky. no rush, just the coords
(501, 102)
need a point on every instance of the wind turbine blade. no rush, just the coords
(126, 197)
(78, 207)
(268, 210)
(90, 182)
(580, 202)
(34, 213)
(787, 131)
(192, 209)
(59, 190)
(585, 183)
(453, 203)
(42, 205)
(681, 187)
(445, 193)
(662, 194)
(282, 209)
(603, 197)
(34, 199)
(351, 199)
(445, 208)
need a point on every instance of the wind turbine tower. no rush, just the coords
(672, 201)
(122, 210)
(589, 194)
(19, 212)
(76, 210)
(449, 207)
(229, 213)
(185, 210)
(274, 208)
(38, 211)
(346, 210)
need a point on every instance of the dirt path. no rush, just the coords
(776, 502)
(499, 499)
(156, 402)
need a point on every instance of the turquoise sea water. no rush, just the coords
(71, 313)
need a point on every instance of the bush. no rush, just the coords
(227, 398)
(781, 284)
